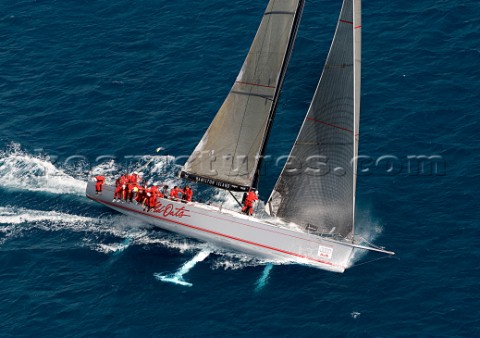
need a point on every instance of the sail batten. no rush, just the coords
(316, 188)
(230, 152)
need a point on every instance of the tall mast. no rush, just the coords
(357, 56)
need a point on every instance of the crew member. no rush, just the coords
(141, 194)
(98, 186)
(174, 193)
(249, 202)
(120, 184)
(152, 199)
(131, 189)
(124, 179)
(154, 189)
(146, 200)
(164, 191)
(133, 178)
(187, 194)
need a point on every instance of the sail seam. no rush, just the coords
(329, 124)
(278, 12)
(255, 84)
(268, 97)
(343, 65)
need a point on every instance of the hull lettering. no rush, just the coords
(170, 210)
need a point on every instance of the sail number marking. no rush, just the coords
(324, 251)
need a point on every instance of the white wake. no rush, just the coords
(20, 170)
(177, 277)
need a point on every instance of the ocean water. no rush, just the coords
(99, 85)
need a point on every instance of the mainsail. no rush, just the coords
(316, 188)
(230, 151)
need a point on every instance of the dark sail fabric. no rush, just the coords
(229, 152)
(316, 188)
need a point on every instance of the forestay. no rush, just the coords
(229, 152)
(316, 188)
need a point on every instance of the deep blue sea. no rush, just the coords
(99, 85)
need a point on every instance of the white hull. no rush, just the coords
(233, 230)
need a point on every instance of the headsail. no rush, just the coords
(317, 185)
(230, 151)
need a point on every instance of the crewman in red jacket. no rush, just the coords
(174, 193)
(141, 194)
(98, 186)
(156, 191)
(187, 194)
(124, 179)
(132, 183)
(121, 189)
(146, 200)
(249, 202)
(133, 178)
(152, 199)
